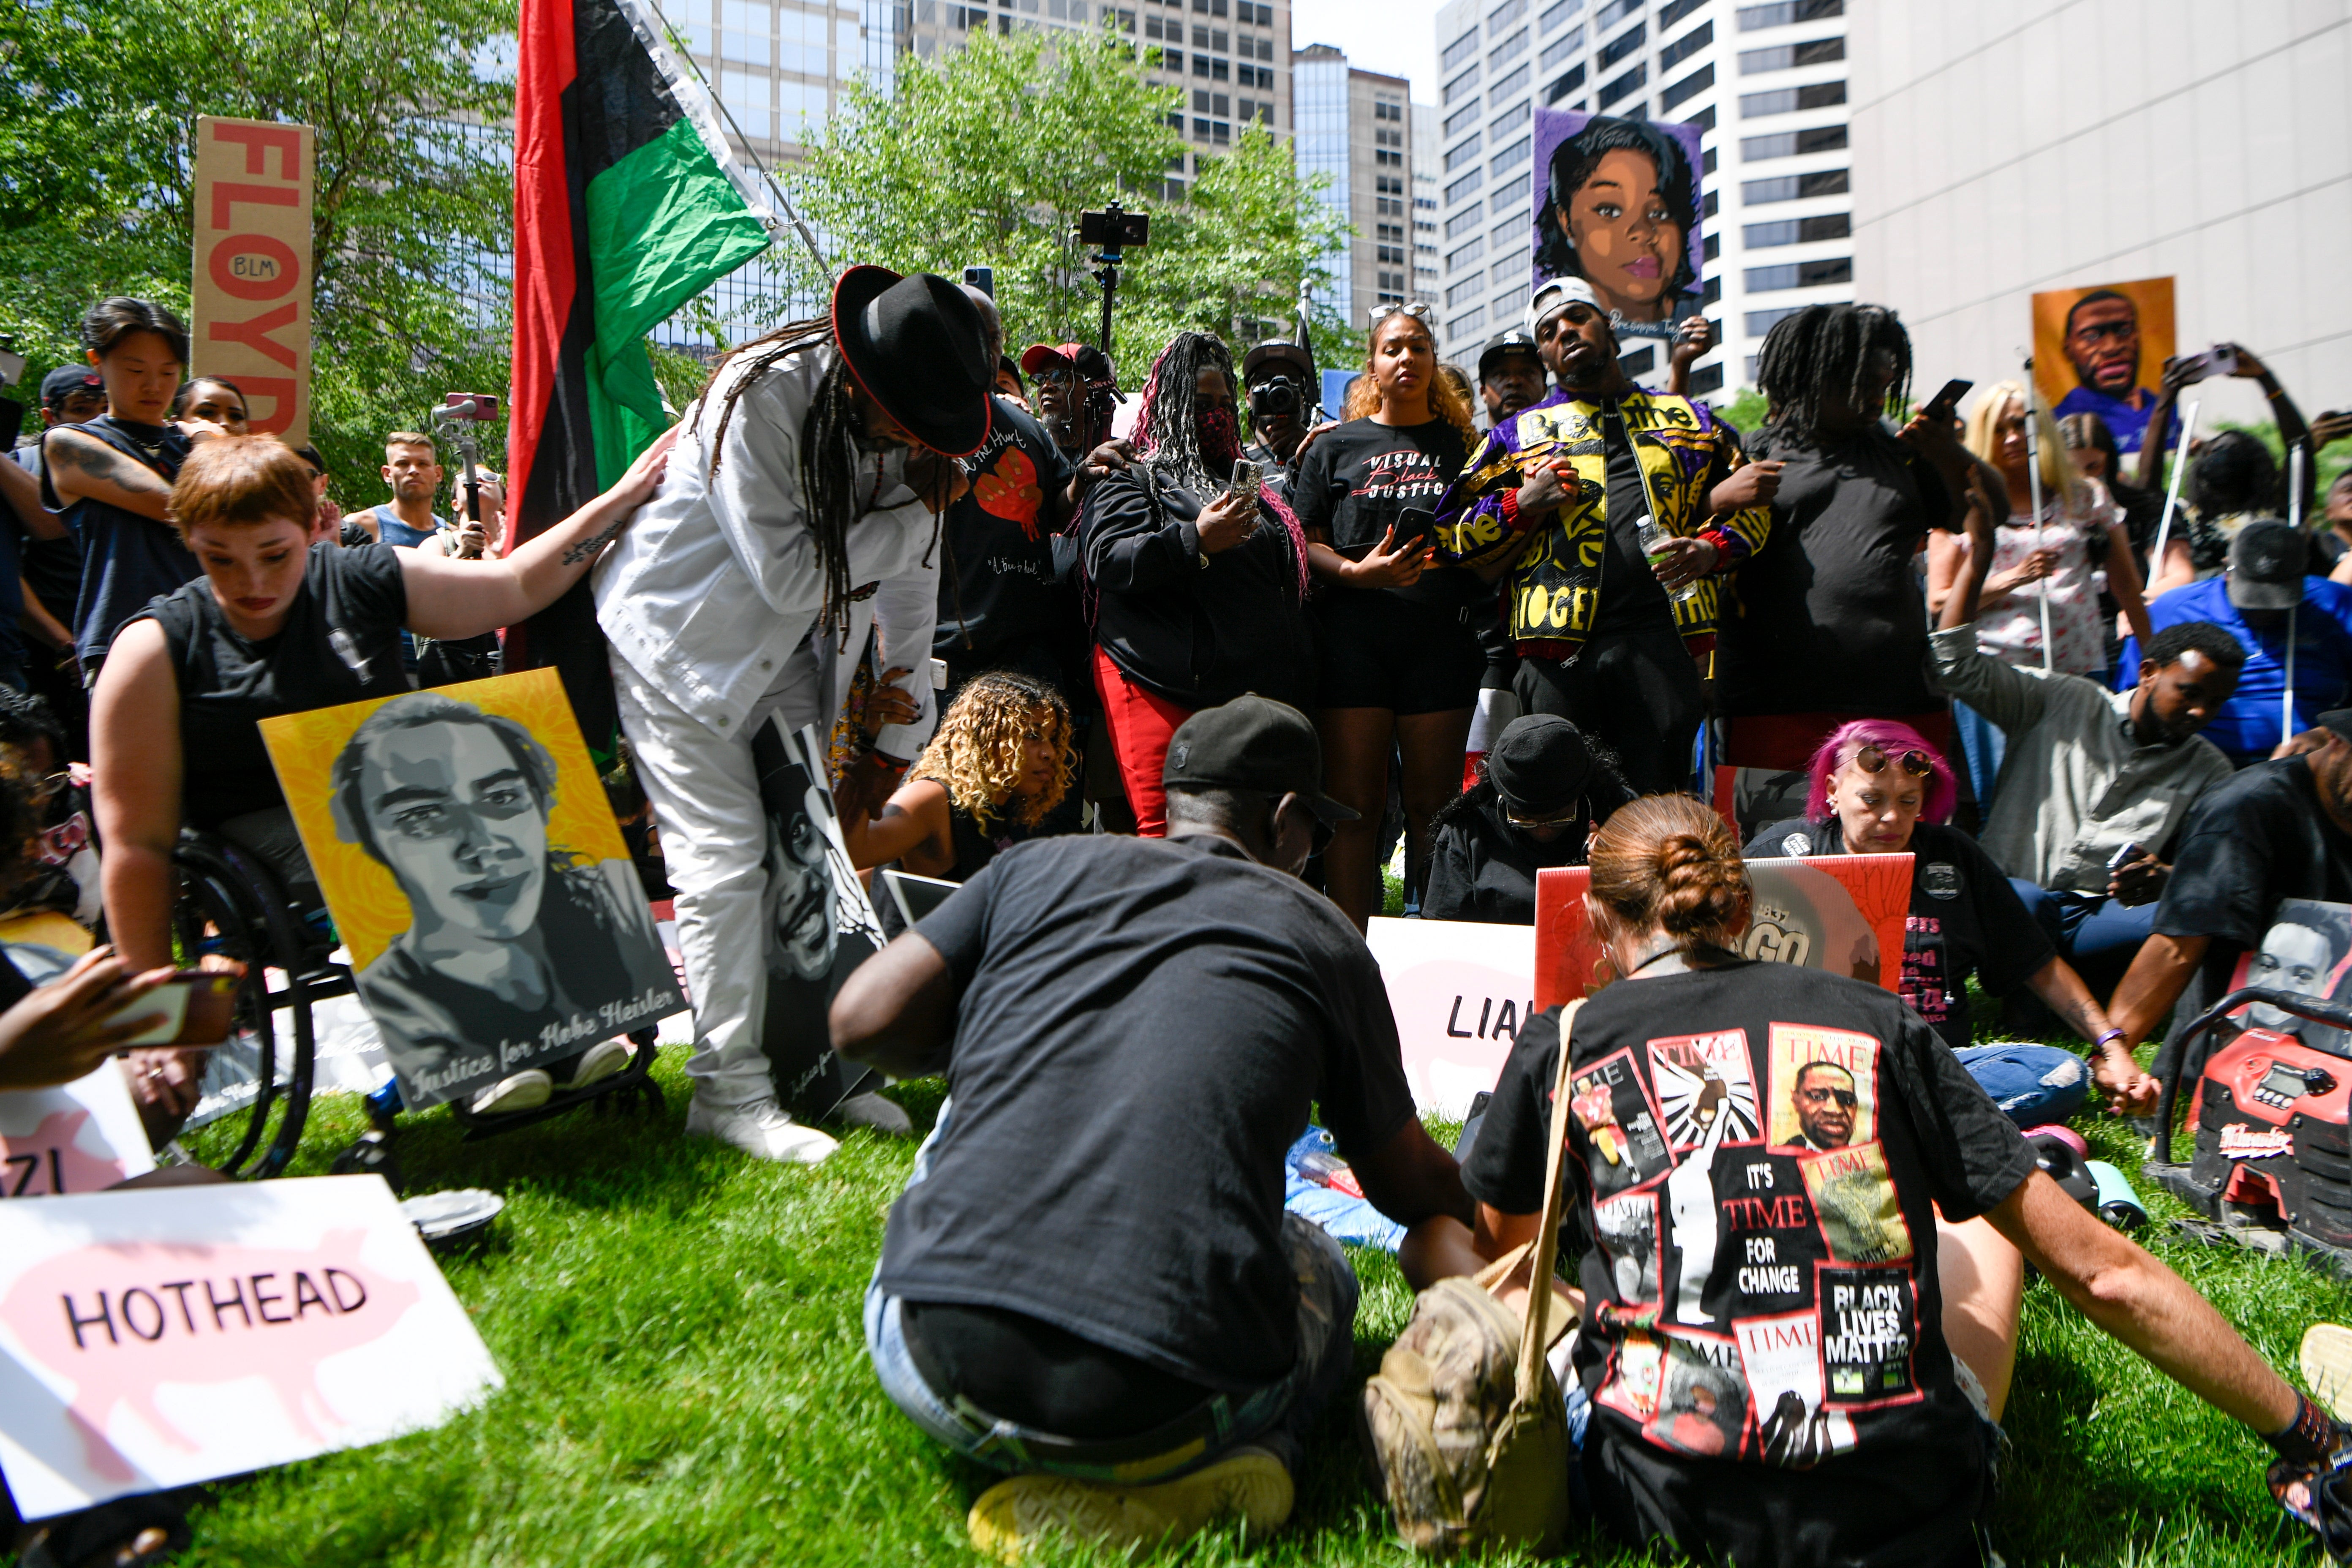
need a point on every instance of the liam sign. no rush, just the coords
(1461, 992)
(160, 1337)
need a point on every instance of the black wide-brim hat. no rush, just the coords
(916, 346)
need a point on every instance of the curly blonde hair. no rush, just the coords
(977, 753)
(1449, 398)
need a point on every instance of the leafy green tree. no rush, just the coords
(99, 101)
(987, 156)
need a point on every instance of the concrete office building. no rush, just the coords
(1354, 127)
(2057, 143)
(1766, 84)
(1427, 272)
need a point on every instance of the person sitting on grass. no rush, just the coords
(1878, 788)
(1090, 1281)
(1541, 790)
(999, 765)
(2089, 775)
(1801, 1314)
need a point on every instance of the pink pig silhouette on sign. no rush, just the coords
(120, 1320)
(50, 1160)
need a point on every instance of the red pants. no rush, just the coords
(1140, 725)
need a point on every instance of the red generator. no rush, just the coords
(2271, 1160)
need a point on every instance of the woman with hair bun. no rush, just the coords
(1805, 1233)
(1878, 788)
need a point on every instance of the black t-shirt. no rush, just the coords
(1355, 482)
(1830, 616)
(2256, 838)
(1965, 918)
(127, 559)
(999, 584)
(1631, 599)
(340, 643)
(1142, 1026)
(1762, 1288)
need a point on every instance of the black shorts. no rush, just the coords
(1380, 649)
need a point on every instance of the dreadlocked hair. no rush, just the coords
(977, 753)
(1821, 354)
(828, 454)
(1168, 435)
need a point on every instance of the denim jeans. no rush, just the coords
(2033, 1084)
(1275, 1416)
(2097, 935)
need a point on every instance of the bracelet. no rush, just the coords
(2104, 1040)
(2309, 1440)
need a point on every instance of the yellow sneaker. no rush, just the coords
(1010, 1516)
(2326, 1362)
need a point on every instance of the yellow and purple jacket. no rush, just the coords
(1551, 583)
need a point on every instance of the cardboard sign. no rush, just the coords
(78, 1137)
(1840, 912)
(159, 1337)
(1617, 203)
(821, 922)
(1460, 992)
(469, 857)
(254, 277)
(2101, 350)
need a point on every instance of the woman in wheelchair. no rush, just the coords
(275, 625)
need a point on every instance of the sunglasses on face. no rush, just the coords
(1845, 1098)
(1872, 759)
(1565, 815)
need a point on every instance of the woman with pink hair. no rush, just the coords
(1879, 789)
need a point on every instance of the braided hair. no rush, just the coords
(828, 449)
(1170, 436)
(1821, 354)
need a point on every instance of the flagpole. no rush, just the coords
(2033, 486)
(2172, 492)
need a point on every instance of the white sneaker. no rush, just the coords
(761, 1128)
(598, 1062)
(526, 1090)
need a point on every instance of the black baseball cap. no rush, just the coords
(67, 379)
(1277, 353)
(1511, 342)
(1252, 743)
(2267, 564)
(1539, 764)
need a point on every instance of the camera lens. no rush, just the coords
(1274, 396)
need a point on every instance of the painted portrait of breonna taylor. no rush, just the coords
(472, 865)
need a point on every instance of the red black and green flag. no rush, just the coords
(628, 203)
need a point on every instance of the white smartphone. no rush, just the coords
(938, 675)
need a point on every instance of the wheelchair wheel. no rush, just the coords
(231, 905)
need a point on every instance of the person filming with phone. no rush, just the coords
(1195, 576)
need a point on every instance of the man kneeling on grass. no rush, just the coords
(1089, 1281)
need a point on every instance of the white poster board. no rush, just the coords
(78, 1137)
(1460, 992)
(159, 1337)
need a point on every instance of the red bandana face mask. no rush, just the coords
(1220, 440)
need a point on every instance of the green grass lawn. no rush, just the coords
(686, 1386)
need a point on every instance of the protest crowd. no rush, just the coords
(1165, 707)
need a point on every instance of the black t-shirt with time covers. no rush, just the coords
(1142, 1026)
(1965, 918)
(1755, 1151)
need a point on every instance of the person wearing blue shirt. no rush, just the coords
(2264, 599)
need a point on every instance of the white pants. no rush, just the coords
(714, 835)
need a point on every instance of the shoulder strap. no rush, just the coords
(1542, 1262)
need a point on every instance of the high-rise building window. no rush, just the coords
(1798, 231)
(1554, 15)
(1460, 50)
(1675, 92)
(1465, 220)
(1801, 275)
(1790, 99)
(1610, 91)
(1792, 144)
(1617, 48)
(1795, 187)
(1561, 48)
(1787, 56)
(1462, 119)
(1687, 46)
(1752, 18)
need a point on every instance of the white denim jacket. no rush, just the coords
(715, 582)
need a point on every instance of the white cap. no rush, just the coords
(1557, 294)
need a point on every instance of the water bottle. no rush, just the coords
(2119, 1205)
(1653, 546)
